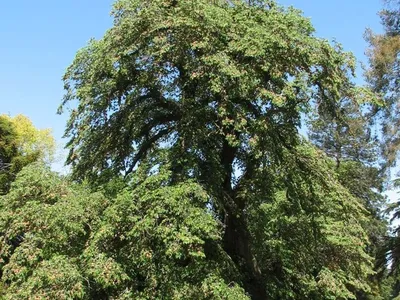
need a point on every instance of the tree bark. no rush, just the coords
(237, 240)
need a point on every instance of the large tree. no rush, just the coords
(219, 86)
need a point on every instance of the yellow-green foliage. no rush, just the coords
(21, 143)
(30, 139)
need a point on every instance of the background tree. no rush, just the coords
(346, 136)
(31, 140)
(383, 75)
(20, 144)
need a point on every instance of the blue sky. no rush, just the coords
(39, 39)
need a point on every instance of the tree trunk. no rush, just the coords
(237, 237)
(237, 245)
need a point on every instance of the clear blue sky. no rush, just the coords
(39, 39)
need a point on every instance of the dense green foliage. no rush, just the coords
(149, 242)
(157, 240)
(190, 179)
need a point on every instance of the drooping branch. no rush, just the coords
(145, 147)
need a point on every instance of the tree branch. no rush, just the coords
(145, 147)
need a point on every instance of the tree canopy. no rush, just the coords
(196, 75)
